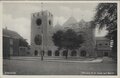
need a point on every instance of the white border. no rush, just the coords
(58, 76)
(59, 1)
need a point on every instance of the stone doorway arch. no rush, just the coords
(73, 53)
(36, 53)
(83, 53)
(64, 53)
(57, 53)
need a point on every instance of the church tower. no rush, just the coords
(41, 26)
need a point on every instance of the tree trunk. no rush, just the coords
(42, 56)
(66, 53)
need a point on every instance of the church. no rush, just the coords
(42, 30)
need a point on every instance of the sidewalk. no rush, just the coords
(53, 59)
(79, 61)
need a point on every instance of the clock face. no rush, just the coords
(49, 22)
(38, 21)
(38, 40)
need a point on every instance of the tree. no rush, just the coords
(23, 43)
(106, 16)
(67, 40)
(57, 38)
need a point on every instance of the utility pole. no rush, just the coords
(42, 36)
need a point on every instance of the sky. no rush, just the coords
(17, 16)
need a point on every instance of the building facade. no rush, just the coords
(12, 44)
(41, 36)
(103, 47)
(41, 26)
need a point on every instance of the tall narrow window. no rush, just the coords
(11, 50)
(11, 41)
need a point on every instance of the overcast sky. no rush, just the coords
(16, 16)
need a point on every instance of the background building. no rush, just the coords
(13, 44)
(103, 47)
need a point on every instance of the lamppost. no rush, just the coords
(42, 46)
(42, 36)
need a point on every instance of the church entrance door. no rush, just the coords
(83, 53)
(36, 53)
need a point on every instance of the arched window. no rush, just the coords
(83, 53)
(38, 22)
(49, 53)
(64, 53)
(73, 53)
(56, 53)
(38, 39)
(36, 53)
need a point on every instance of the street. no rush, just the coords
(38, 67)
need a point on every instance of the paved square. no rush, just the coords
(35, 66)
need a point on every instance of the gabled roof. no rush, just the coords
(57, 25)
(70, 21)
(82, 21)
(12, 34)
